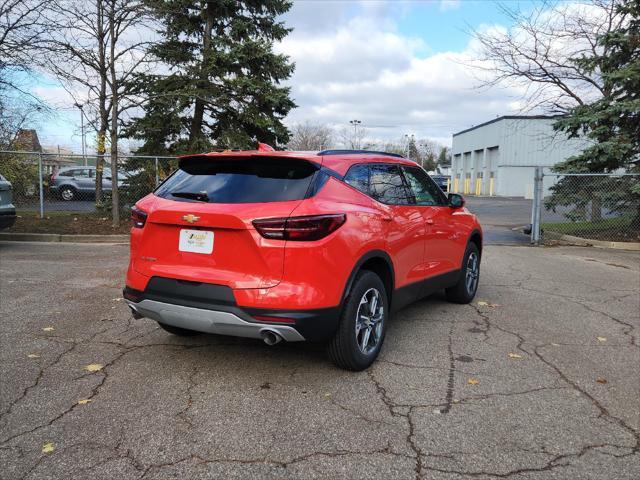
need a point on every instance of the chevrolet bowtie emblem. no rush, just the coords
(191, 218)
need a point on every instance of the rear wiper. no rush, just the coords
(200, 196)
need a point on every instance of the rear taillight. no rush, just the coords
(308, 228)
(138, 217)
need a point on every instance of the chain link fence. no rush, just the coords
(46, 183)
(579, 208)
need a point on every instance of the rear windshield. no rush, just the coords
(238, 180)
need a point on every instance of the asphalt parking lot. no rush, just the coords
(537, 379)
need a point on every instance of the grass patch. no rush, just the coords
(618, 229)
(66, 223)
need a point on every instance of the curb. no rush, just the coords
(587, 242)
(55, 237)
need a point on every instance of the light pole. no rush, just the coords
(356, 141)
(84, 158)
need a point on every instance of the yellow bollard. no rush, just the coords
(448, 185)
(491, 187)
(456, 184)
(466, 186)
(478, 187)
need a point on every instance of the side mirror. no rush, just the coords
(456, 201)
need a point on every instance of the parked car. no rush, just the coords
(7, 209)
(79, 182)
(298, 246)
(442, 181)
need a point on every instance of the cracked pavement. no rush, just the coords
(537, 379)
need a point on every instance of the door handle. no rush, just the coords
(429, 221)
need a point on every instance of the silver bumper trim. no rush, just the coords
(210, 321)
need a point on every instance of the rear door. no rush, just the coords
(406, 234)
(212, 202)
(441, 247)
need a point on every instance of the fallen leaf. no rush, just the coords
(48, 329)
(514, 355)
(601, 380)
(473, 381)
(75, 219)
(327, 395)
(602, 339)
(119, 299)
(48, 447)
(94, 367)
(84, 401)
(489, 304)
(33, 355)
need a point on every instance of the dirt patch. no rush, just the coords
(68, 224)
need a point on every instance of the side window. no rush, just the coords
(66, 173)
(388, 186)
(81, 173)
(358, 177)
(425, 191)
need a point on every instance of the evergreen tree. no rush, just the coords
(222, 88)
(612, 123)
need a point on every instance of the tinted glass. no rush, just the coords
(425, 191)
(66, 173)
(240, 181)
(82, 173)
(358, 177)
(387, 185)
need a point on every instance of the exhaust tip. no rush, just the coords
(270, 337)
(135, 313)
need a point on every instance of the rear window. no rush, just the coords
(239, 180)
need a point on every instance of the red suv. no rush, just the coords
(298, 246)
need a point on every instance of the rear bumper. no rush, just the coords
(7, 219)
(210, 321)
(212, 309)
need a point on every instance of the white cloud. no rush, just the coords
(365, 69)
(449, 4)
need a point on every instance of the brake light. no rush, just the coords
(138, 217)
(308, 228)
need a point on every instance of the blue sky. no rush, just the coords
(398, 66)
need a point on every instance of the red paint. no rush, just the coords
(422, 241)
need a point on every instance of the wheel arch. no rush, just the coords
(379, 262)
(476, 237)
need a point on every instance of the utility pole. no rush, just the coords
(356, 141)
(84, 157)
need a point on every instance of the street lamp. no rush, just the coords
(84, 158)
(356, 141)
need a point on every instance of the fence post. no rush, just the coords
(40, 188)
(157, 177)
(538, 193)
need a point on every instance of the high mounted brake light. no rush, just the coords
(308, 228)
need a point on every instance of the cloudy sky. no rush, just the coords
(397, 66)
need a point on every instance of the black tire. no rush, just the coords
(68, 193)
(344, 349)
(181, 332)
(461, 292)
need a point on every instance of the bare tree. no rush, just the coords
(310, 136)
(355, 137)
(537, 53)
(23, 26)
(96, 49)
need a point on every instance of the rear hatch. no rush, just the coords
(199, 228)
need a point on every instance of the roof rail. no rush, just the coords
(358, 152)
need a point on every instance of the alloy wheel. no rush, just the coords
(473, 273)
(369, 321)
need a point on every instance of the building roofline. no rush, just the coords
(509, 117)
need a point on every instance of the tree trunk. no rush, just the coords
(115, 200)
(102, 103)
(198, 112)
(596, 209)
